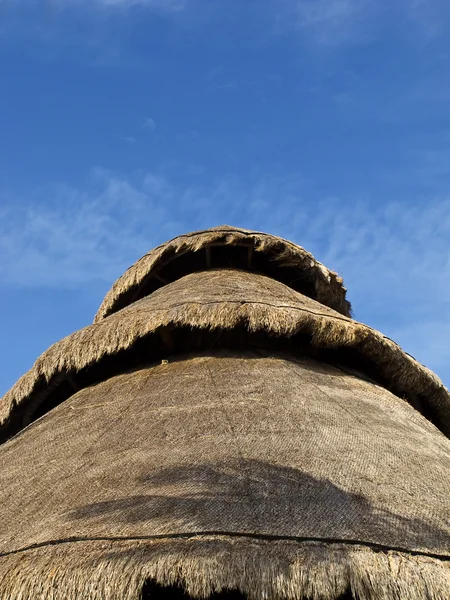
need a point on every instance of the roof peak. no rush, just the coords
(227, 246)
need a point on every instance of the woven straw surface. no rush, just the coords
(246, 443)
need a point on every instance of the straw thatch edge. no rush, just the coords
(328, 285)
(405, 376)
(202, 565)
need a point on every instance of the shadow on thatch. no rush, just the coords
(258, 498)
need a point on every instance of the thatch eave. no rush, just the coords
(211, 301)
(206, 564)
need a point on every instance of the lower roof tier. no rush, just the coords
(246, 445)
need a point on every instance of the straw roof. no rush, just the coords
(225, 432)
(181, 470)
(227, 246)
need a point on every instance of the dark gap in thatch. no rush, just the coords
(234, 257)
(155, 591)
(155, 347)
(150, 283)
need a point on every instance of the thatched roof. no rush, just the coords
(212, 469)
(230, 247)
(225, 431)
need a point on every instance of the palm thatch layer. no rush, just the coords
(227, 247)
(221, 301)
(206, 565)
(339, 478)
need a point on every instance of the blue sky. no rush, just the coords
(126, 122)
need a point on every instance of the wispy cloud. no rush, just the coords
(395, 258)
(149, 124)
(356, 237)
(431, 17)
(335, 22)
(327, 21)
(92, 25)
(318, 22)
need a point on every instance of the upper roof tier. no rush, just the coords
(230, 247)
